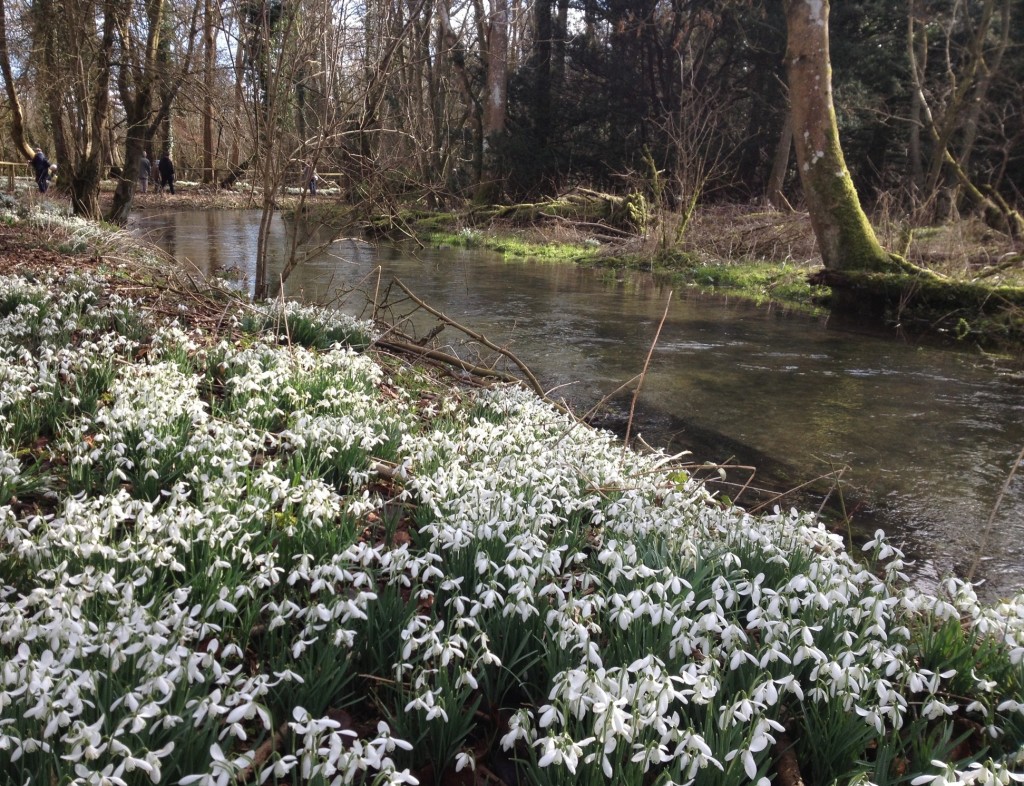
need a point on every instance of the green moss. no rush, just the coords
(760, 282)
(512, 246)
(965, 310)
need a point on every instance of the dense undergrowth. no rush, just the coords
(243, 556)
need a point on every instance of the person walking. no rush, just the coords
(145, 170)
(166, 169)
(309, 177)
(41, 168)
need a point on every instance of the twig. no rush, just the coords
(805, 484)
(988, 525)
(1008, 261)
(477, 337)
(590, 224)
(577, 420)
(643, 373)
(444, 357)
(263, 752)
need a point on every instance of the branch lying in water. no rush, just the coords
(530, 378)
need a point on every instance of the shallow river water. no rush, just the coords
(925, 437)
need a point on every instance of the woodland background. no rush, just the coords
(491, 100)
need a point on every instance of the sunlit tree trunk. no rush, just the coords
(845, 238)
(13, 102)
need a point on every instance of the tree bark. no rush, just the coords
(209, 73)
(780, 164)
(845, 238)
(496, 103)
(13, 103)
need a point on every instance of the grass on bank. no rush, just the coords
(762, 255)
(229, 557)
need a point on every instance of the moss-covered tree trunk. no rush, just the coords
(845, 237)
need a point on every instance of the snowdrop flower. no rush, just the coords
(561, 750)
(222, 770)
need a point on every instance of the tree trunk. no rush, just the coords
(209, 68)
(14, 105)
(77, 60)
(150, 70)
(543, 29)
(845, 238)
(496, 102)
(124, 192)
(780, 165)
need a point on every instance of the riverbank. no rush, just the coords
(766, 256)
(232, 553)
(769, 257)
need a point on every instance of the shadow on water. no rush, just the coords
(925, 436)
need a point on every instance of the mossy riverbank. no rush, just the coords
(974, 297)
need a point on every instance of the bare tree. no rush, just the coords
(968, 82)
(148, 79)
(75, 59)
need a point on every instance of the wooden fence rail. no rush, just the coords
(10, 168)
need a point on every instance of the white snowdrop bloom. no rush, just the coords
(108, 776)
(519, 726)
(561, 750)
(934, 708)
(222, 770)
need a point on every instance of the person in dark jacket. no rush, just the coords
(41, 169)
(166, 169)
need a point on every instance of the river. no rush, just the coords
(925, 437)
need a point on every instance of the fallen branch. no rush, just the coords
(643, 372)
(443, 357)
(588, 224)
(835, 476)
(530, 378)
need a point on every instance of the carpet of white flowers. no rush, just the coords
(247, 561)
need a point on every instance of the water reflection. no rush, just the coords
(927, 436)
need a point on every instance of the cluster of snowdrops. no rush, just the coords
(275, 558)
